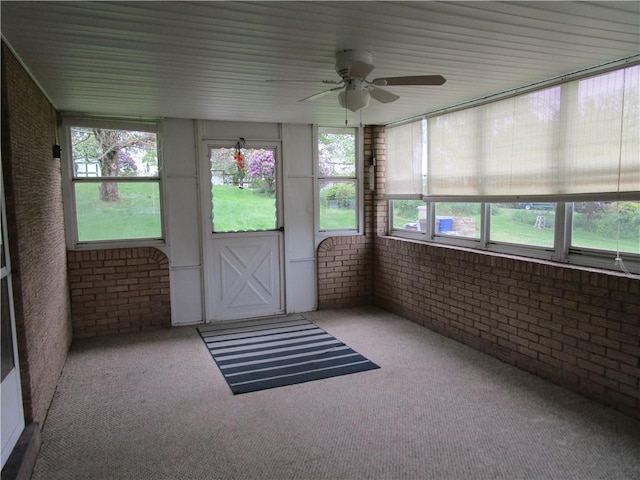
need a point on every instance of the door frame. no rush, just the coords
(11, 387)
(205, 186)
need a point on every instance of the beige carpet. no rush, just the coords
(155, 406)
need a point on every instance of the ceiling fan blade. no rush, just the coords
(360, 69)
(411, 80)
(287, 80)
(319, 95)
(383, 96)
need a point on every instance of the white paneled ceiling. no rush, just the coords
(210, 60)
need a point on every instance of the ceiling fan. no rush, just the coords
(353, 66)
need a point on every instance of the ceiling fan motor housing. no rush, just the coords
(344, 59)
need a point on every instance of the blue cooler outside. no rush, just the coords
(444, 224)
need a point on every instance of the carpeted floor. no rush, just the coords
(155, 406)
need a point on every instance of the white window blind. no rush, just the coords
(581, 137)
(404, 161)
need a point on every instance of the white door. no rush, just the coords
(10, 393)
(243, 231)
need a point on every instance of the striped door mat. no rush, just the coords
(276, 351)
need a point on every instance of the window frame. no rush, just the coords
(359, 206)
(70, 180)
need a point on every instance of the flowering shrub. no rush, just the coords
(323, 167)
(126, 163)
(261, 168)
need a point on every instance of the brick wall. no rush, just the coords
(575, 327)
(33, 194)
(344, 272)
(118, 291)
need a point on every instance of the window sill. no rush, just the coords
(570, 264)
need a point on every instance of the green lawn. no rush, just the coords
(135, 215)
(518, 226)
(238, 209)
(241, 209)
(334, 218)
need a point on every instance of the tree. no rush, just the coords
(116, 144)
(115, 151)
(337, 153)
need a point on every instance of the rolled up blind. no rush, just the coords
(580, 137)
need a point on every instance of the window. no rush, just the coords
(115, 182)
(243, 190)
(458, 219)
(612, 226)
(598, 233)
(517, 171)
(531, 223)
(337, 173)
(409, 215)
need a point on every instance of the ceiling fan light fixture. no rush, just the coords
(354, 99)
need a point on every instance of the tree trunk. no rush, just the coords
(109, 190)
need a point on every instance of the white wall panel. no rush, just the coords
(212, 129)
(186, 296)
(182, 219)
(298, 226)
(301, 289)
(297, 156)
(179, 147)
(298, 150)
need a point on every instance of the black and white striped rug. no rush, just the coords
(276, 351)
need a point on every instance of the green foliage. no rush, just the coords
(458, 209)
(407, 208)
(342, 194)
(605, 219)
(528, 217)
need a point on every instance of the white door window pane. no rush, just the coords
(243, 189)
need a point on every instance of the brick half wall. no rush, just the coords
(118, 291)
(344, 272)
(575, 327)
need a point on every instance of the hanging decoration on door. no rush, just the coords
(238, 156)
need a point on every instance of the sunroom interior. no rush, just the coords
(172, 164)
